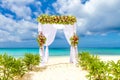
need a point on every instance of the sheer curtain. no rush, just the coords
(41, 50)
(49, 31)
(69, 30)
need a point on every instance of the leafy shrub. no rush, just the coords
(83, 60)
(0, 59)
(11, 67)
(18, 68)
(31, 60)
(115, 69)
(99, 70)
(6, 65)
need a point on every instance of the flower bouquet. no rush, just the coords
(74, 40)
(41, 39)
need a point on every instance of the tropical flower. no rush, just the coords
(41, 39)
(74, 40)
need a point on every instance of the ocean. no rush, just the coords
(18, 52)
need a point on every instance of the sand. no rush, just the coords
(59, 68)
(110, 57)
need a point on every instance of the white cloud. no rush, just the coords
(103, 34)
(19, 7)
(9, 15)
(6, 36)
(18, 30)
(12, 30)
(7, 23)
(96, 16)
(89, 33)
(22, 11)
(18, 2)
(34, 34)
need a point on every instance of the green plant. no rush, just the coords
(0, 59)
(31, 60)
(11, 67)
(6, 63)
(99, 70)
(115, 69)
(0, 66)
(18, 69)
(84, 59)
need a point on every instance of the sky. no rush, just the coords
(98, 22)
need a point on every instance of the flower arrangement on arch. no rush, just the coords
(56, 19)
(74, 40)
(41, 39)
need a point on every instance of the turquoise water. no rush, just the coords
(60, 52)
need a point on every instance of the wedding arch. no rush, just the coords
(47, 29)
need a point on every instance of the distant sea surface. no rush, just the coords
(18, 52)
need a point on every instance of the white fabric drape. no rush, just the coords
(41, 50)
(39, 28)
(69, 30)
(49, 31)
(42, 54)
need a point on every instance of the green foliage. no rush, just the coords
(115, 69)
(47, 19)
(83, 60)
(99, 70)
(11, 67)
(6, 65)
(18, 68)
(31, 60)
(0, 60)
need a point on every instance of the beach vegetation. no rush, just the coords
(12, 68)
(31, 60)
(0, 59)
(115, 69)
(6, 65)
(98, 69)
(18, 68)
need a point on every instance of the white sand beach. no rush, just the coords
(59, 68)
(110, 57)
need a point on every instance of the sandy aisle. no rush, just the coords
(59, 68)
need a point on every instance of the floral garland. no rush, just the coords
(41, 39)
(74, 40)
(47, 19)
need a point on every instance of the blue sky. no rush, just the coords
(98, 22)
